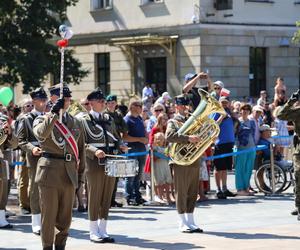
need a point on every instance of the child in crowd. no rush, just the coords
(161, 171)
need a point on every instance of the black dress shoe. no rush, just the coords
(221, 195)
(98, 240)
(116, 204)
(294, 212)
(197, 230)
(24, 211)
(108, 240)
(227, 193)
(187, 231)
(37, 232)
(8, 226)
(81, 209)
(141, 201)
(132, 203)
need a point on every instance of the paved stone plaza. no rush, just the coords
(257, 222)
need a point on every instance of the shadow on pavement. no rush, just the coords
(148, 244)
(248, 236)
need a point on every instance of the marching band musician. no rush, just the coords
(60, 166)
(30, 145)
(186, 178)
(101, 139)
(121, 128)
(10, 142)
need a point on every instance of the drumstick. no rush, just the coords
(116, 156)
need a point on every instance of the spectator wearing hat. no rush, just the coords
(137, 141)
(186, 178)
(191, 87)
(164, 99)
(101, 138)
(218, 85)
(59, 168)
(224, 145)
(121, 128)
(30, 145)
(244, 162)
(157, 110)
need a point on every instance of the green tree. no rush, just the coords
(27, 51)
(296, 38)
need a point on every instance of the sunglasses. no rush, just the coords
(158, 110)
(138, 105)
(216, 88)
(28, 106)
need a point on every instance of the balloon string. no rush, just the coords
(62, 60)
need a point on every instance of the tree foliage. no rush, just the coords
(26, 55)
(296, 37)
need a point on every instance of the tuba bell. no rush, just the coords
(200, 124)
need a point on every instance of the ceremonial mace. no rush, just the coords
(66, 33)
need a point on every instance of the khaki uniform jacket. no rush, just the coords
(95, 138)
(55, 172)
(121, 126)
(27, 140)
(290, 113)
(172, 135)
(11, 142)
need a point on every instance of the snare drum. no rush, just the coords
(121, 168)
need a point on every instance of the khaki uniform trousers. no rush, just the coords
(23, 182)
(56, 209)
(296, 160)
(100, 189)
(3, 187)
(186, 183)
(33, 191)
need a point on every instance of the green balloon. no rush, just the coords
(6, 95)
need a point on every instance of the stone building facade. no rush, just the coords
(125, 43)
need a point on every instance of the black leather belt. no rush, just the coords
(66, 157)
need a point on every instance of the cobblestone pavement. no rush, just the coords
(257, 222)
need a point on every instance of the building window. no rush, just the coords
(103, 72)
(257, 72)
(223, 4)
(156, 73)
(101, 4)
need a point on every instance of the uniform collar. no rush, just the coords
(34, 111)
(95, 114)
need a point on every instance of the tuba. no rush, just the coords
(201, 125)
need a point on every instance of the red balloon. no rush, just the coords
(62, 43)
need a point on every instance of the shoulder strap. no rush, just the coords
(63, 129)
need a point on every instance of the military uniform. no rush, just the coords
(27, 141)
(11, 142)
(121, 127)
(186, 178)
(100, 134)
(57, 174)
(291, 113)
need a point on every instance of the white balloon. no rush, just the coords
(62, 30)
(69, 34)
(65, 32)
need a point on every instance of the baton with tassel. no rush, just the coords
(66, 33)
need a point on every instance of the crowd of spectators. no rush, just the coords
(246, 125)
